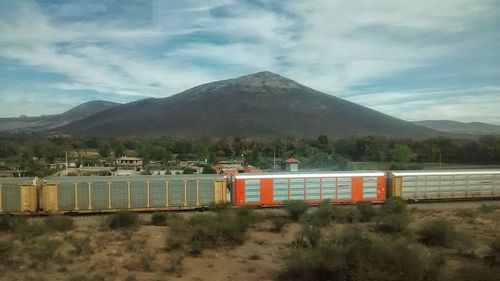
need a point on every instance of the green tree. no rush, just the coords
(104, 149)
(402, 153)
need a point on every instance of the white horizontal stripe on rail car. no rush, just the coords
(446, 173)
(312, 175)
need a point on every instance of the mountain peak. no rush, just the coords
(266, 79)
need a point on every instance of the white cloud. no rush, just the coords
(331, 46)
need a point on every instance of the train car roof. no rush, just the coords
(16, 180)
(288, 175)
(133, 178)
(443, 172)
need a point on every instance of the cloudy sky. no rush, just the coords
(415, 60)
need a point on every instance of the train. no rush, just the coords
(98, 194)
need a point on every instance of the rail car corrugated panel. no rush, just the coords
(18, 195)
(453, 186)
(89, 194)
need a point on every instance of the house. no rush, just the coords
(291, 164)
(131, 164)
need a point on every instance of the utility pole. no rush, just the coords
(66, 163)
(274, 158)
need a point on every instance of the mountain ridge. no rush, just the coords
(261, 105)
(457, 127)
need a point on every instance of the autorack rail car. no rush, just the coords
(313, 188)
(136, 193)
(444, 185)
(18, 195)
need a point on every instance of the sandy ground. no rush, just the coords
(141, 254)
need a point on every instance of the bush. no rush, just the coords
(438, 232)
(219, 207)
(44, 250)
(327, 213)
(354, 256)
(393, 223)
(366, 211)
(82, 246)
(295, 209)
(159, 219)
(203, 231)
(487, 208)
(493, 256)
(30, 230)
(313, 235)
(6, 249)
(466, 213)
(472, 272)
(59, 223)
(123, 219)
(394, 205)
(9, 223)
(278, 223)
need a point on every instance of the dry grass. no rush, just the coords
(30, 250)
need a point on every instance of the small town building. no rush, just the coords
(291, 164)
(129, 164)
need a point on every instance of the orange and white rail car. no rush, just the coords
(339, 187)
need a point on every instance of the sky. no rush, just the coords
(414, 60)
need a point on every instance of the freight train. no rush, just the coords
(181, 192)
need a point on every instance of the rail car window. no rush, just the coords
(297, 189)
(369, 187)
(313, 189)
(280, 190)
(329, 186)
(83, 196)
(11, 197)
(344, 188)
(66, 196)
(252, 190)
(176, 193)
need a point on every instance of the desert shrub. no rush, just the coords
(278, 223)
(393, 216)
(493, 256)
(59, 223)
(30, 230)
(438, 232)
(475, 272)
(203, 231)
(393, 223)
(44, 250)
(394, 205)
(366, 211)
(466, 213)
(219, 207)
(82, 246)
(313, 235)
(159, 219)
(175, 262)
(326, 213)
(122, 219)
(10, 223)
(295, 208)
(353, 256)
(487, 208)
(6, 249)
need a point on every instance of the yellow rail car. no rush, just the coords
(136, 193)
(18, 196)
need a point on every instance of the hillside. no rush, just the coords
(471, 128)
(41, 123)
(258, 105)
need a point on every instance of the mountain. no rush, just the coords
(41, 123)
(258, 105)
(455, 127)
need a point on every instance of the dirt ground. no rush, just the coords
(140, 254)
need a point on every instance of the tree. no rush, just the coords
(104, 149)
(402, 153)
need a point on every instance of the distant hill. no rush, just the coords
(455, 127)
(259, 105)
(41, 123)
